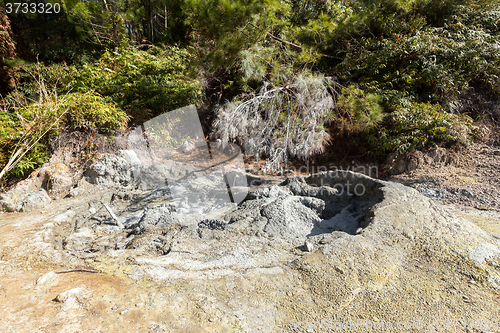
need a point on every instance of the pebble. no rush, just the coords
(45, 278)
(64, 296)
(308, 246)
(338, 269)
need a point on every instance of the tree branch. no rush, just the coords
(295, 46)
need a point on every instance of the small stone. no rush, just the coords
(131, 157)
(34, 200)
(45, 278)
(466, 299)
(92, 210)
(308, 246)
(74, 192)
(123, 312)
(357, 290)
(338, 269)
(10, 200)
(412, 164)
(66, 217)
(64, 296)
(139, 304)
(61, 315)
(211, 320)
(400, 166)
(114, 308)
(111, 171)
(187, 147)
(359, 230)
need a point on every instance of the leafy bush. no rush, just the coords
(87, 111)
(357, 110)
(144, 84)
(417, 127)
(28, 75)
(427, 63)
(37, 155)
(90, 111)
(25, 130)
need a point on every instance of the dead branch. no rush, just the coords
(79, 270)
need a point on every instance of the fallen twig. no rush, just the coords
(79, 270)
(113, 216)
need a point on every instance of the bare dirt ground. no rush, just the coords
(469, 186)
(28, 307)
(472, 180)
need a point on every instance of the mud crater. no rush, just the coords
(293, 210)
(304, 207)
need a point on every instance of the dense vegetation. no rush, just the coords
(282, 78)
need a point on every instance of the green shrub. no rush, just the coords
(28, 74)
(418, 127)
(357, 110)
(90, 111)
(37, 155)
(144, 84)
(25, 132)
(410, 58)
(45, 119)
(84, 111)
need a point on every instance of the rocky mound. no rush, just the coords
(308, 254)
